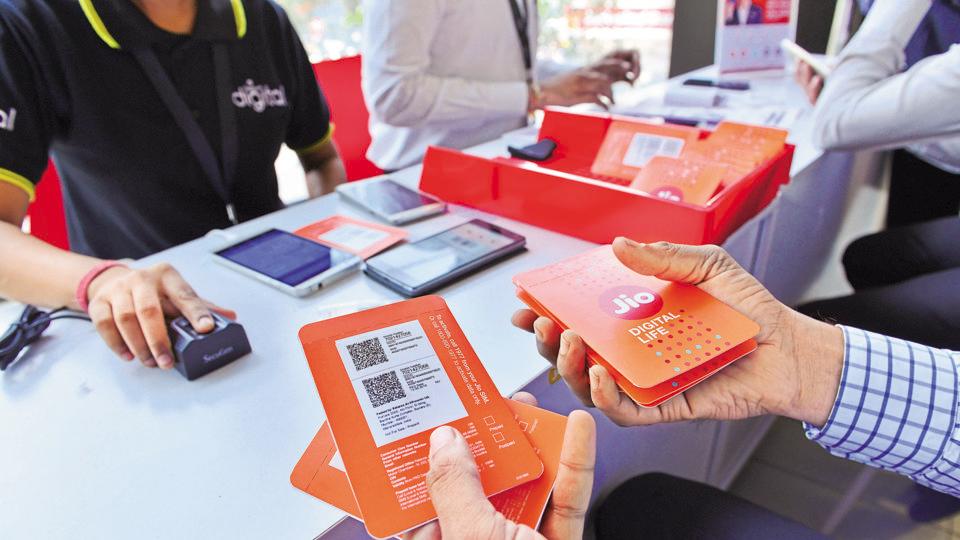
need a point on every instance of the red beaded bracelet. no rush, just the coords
(81, 295)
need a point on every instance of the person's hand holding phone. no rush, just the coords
(463, 511)
(129, 308)
(809, 80)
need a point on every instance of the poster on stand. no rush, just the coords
(749, 33)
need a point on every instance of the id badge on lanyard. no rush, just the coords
(521, 22)
(220, 178)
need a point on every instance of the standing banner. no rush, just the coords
(749, 33)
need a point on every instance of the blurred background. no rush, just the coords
(574, 32)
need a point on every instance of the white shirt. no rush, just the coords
(870, 102)
(441, 72)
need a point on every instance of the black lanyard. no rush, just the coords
(521, 21)
(222, 180)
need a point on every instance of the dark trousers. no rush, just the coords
(663, 507)
(906, 282)
(919, 191)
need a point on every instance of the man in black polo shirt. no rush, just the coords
(164, 118)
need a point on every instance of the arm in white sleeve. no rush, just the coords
(897, 409)
(868, 103)
(397, 83)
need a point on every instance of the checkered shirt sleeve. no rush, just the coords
(897, 410)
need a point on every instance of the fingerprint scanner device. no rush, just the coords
(198, 354)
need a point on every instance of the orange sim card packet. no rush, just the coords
(680, 180)
(629, 145)
(320, 470)
(390, 375)
(656, 338)
(766, 140)
(362, 238)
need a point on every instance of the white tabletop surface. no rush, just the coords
(91, 447)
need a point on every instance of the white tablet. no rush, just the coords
(285, 261)
(390, 201)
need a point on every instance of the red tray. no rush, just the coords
(562, 195)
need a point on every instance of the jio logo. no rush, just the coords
(669, 193)
(631, 303)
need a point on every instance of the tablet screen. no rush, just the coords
(283, 256)
(388, 197)
(432, 258)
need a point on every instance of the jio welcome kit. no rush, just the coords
(656, 338)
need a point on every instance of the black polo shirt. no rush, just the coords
(70, 89)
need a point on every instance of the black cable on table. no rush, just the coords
(33, 322)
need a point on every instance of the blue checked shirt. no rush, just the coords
(897, 410)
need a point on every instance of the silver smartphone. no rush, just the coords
(391, 201)
(426, 265)
(285, 261)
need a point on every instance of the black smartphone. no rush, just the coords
(421, 267)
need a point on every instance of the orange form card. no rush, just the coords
(390, 375)
(361, 238)
(768, 141)
(320, 471)
(629, 145)
(655, 337)
(680, 180)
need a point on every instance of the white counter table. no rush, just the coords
(91, 447)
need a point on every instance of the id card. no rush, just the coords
(655, 337)
(387, 378)
(629, 145)
(320, 471)
(362, 238)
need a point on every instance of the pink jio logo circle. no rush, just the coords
(630, 302)
(669, 193)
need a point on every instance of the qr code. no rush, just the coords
(367, 354)
(384, 388)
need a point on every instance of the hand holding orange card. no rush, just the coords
(320, 471)
(387, 377)
(629, 145)
(656, 338)
(362, 238)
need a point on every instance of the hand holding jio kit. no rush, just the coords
(389, 376)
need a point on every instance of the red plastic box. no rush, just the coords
(562, 195)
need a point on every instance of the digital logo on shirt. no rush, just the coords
(259, 97)
(8, 119)
(630, 302)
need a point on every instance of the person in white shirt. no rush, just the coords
(455, 74)
(870, 102)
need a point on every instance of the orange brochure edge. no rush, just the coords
(680, 180)
(389, 477)
(620, 135)
(316, 231)
(524, 504)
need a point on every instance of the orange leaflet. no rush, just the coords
(387, 377)
(629, 145)
(680, 180)
(320, 470)
(362, 238)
